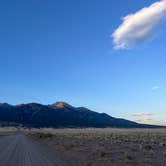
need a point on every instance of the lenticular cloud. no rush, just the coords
(140, 26)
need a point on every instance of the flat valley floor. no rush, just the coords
(84, 147)
(106, 147)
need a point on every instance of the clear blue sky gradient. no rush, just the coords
(62, 50)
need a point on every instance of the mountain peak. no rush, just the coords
(6, 105)
(59, 114)
(59, 104)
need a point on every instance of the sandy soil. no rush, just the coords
(7, 130)
(20, 150)
(107, 147)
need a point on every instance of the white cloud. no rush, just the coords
(144, 117)
(140, 26)
(142, 114)
(144, 120)
(155, 88)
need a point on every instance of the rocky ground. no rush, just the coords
(106, 147)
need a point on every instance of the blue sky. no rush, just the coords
(63, 50)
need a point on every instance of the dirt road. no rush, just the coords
(19, 150)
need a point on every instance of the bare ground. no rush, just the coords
(7, 130)
(20, 150)
(106, 147)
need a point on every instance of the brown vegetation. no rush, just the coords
(105, 147)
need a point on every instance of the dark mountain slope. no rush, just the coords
(59, 114)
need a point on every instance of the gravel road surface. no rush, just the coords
(20, 150)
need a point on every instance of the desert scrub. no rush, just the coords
(129, 157)
(43, 135)
(103, 154)
(148, 147)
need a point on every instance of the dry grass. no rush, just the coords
(105, 147)
(7, 130)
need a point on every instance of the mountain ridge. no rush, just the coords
(59, 114)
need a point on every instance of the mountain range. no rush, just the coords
(59, 114)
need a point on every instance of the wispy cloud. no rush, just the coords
(155, 88)
(144, 117)
(140, 26)
(142, 114)
(144, 120)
